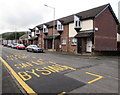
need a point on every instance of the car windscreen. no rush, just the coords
(21, 45)
(34, 46)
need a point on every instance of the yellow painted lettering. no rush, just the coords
(44, 72)
(24, 65)
(59, 67)
(33, 72)
(35, 63)
(68, 67)
(40, 62)
(40, 59)
(52, 62)
(53, 68)
(49, 69)
(24, 76)
(17, 66)
(29, 64)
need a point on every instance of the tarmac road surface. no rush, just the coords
(57, 73)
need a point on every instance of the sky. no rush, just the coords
(20, 15)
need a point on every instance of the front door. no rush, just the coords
(79, 47)
(49, 44)
(44, 44)
(89, 45)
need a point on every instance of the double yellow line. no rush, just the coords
(20, 81)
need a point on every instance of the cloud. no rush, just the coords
(24, 14)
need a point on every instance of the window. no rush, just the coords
(63, 41)
(77, 23)
(74, 41)
(59, 26)
(45, 29)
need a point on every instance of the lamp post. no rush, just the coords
(15, 34)
(53, 41)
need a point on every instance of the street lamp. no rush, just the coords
(15, 34)
(53, 43)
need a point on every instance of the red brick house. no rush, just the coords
(93, 30)
(24, 39)
(32, 37)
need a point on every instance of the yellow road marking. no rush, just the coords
(40, 59)
(21, 82)
(15, 57)
(99, 77)
(33, 57)
(62, 93)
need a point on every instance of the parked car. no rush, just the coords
(9, 45)
(4, 44)
(20, 46)
(14, 45)
(34, 48)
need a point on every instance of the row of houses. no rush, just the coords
(89, 31)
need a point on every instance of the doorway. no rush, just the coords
(49, 44)
(89, 45)
(79, 47)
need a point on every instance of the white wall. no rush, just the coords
(118, 37)
(86, 25)
(32, 34)
(72, 31)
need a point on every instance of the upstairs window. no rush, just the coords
(37, 31)
(29, 33)
(45, 29)
(59, 26)
(77, 23)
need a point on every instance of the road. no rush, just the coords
(59, 72)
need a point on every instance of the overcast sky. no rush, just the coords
(19, 15)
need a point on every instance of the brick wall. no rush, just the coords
(72, 48)
(64, 35)
(106, 37)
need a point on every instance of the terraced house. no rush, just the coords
(93, 30)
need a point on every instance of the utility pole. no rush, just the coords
(53, 41)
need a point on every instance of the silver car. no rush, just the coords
(34, 48)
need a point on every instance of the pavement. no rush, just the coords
(8, 84)
(58, 73)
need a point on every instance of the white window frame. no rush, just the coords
(37, 30)
(77, 22)
(64, 41)
(45, 29)
(74, 41)
(59, 26)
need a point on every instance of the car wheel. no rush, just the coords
(27, 50)
(33, 50)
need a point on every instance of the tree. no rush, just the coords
(12, 35)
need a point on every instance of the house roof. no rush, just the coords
(33, 38)
(24, 36)
(51, 36)
(91, 13)
(82, 35)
